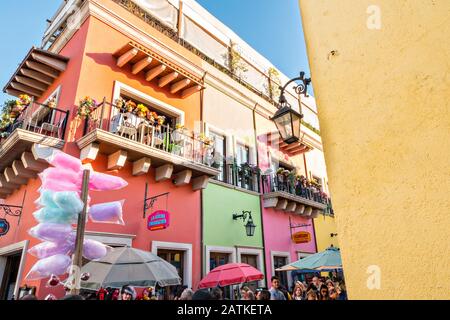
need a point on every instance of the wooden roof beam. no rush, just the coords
(141, 65)
(37, 76)
(49, 61)
(167, 79)
(42, 68)
(26, 89)
(188, 92)
(179, 85)
(153, 73)
(32, 83)
(127, 57)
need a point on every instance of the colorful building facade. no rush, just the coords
(205, 163)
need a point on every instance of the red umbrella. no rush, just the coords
(229, 274)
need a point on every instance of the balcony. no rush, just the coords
(124, 136)
(245, 176)
(36, 124)
(285, 194)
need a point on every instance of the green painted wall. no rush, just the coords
(219, 228)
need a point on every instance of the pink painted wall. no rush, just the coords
(277, 235)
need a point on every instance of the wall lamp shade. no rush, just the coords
(288, 123)
(250, 226)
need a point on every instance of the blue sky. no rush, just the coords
(272, 29)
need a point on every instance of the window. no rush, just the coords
(10, 273)
(242, 154)
(279, 262)
(175, 258)
(217, 259)
(170, 121)
(253, 261)
(220, 151)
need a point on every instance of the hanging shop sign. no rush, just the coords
(4, 227)
(301, 237)
(159, 220)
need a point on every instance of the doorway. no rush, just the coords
(10, 265)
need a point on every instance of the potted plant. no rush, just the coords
(120, 104)
(179, 133)
(24, 100)
(160, 120)
(141, 110)
(130, 105)
(52, 103)
(207, 142)
(86, 107)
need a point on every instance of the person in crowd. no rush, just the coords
(311, 295)
(250, 295)
(187, 294)
(178, 292)
(263, 295)
(332, 292)
(275, 292)
(147, 294)
(244, 291)
(216, 294)
(298, 294)
(201, 295)
(29, 297)
(342, 293)
(324, 294)
(316, 284)
(286, 293)
(127, 293)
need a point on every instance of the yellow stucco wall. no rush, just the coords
(383, 98)
(324, 226)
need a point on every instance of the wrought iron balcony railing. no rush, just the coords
(110, 118)
(40, 119)
(280, 183)
(243, 176)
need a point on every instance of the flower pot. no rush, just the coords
(178, 136)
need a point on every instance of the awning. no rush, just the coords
(293, 149)
(159, 69)
(36, 73)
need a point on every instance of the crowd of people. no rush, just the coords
(317, 289)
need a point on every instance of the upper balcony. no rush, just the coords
(294, 194)
(125, 134)
(244, 177)
(22, 127)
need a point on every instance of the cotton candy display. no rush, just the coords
(59, 206)
(104, 182)
(48, 231)
(60, 159)
(107, 213)
(48, 249)
(57, 264)
(94, 250)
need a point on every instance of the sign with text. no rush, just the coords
(4, 227)
(159, 220)
(301, 237)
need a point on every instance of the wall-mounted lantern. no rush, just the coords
(249, 226)
(287, 120)
(333, 235)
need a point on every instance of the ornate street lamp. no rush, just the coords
(249, 226)
(287, 120)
